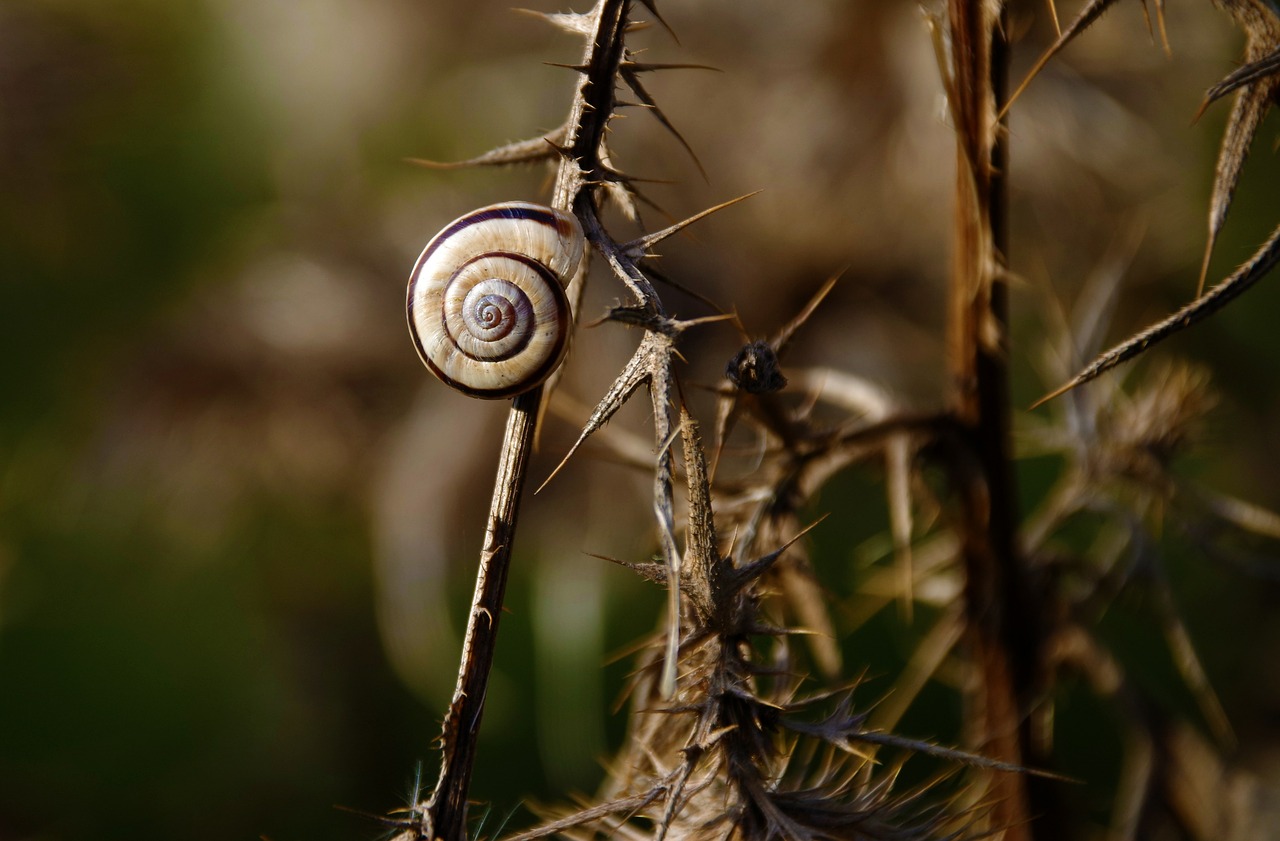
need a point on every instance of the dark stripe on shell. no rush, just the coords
(542, 216)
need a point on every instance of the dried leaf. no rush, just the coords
(544, 148)
(1258, 85)
(572, 22)
(1215, 299)
(1252, 72)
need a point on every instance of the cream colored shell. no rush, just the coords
(486, 303)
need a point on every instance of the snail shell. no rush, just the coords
(487, 304)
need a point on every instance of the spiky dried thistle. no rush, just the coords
(736, 727)
(738, 752)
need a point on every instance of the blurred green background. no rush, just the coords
(238, 523)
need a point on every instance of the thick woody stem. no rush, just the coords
(1004, 636)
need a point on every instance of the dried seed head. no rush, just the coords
(1162, 418)
(755, 369)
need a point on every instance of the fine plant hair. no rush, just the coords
(744, 722)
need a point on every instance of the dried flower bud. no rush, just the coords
(754, 369)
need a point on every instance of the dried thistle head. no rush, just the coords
(739, 750)
(755, 369)
(1143, 434)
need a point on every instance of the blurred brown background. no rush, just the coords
(238, 520)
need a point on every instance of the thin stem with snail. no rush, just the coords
(444, 816)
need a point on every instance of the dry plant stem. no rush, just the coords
(446, 811)
(593, 104)
(1003, 638)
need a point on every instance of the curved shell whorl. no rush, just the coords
(487, 306)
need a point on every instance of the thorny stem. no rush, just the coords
(445, 813)
(1004, 638)
(593, 104)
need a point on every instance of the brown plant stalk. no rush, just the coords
(1003, 637)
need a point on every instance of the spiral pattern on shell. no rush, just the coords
(487, 305)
